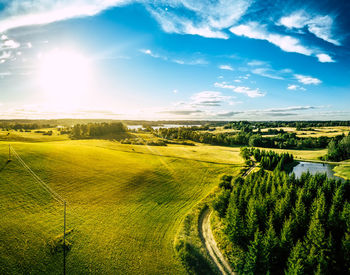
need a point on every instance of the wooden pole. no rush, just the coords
(9, 153)
(64, 241)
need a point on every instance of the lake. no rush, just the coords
(313, 168)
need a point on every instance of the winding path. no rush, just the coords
(208, 239)
(210, 244)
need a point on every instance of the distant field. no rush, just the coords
(13, 135)
(128, 202)
(322, 131)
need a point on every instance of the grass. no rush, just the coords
(13, 135)
(301, 154)
(343, 170)
(126, 203)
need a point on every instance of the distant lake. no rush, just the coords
(313, 168)
(135, 127)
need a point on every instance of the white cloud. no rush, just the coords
(320, 26)
(176, 24)
(295, 87)
(5, 55)
(9, 44)
(240, 89)
(307, 80)
(226, 67)
(175, 91)
(284, 42)
(267, 72)
(21, 13)
(209, 98)
(3, 37)
(207, 19)
(150, 53)
(322, 57)
(256, 63)
(193, 61)
(2, 74)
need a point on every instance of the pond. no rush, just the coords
(313, 168)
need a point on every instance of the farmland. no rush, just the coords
(125, 204)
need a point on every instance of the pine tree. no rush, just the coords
(296, 260)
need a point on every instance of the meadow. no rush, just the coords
(125, 204)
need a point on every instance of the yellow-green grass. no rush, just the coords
(125, 204)
(13, 135)
(343, 170)
(301, 154)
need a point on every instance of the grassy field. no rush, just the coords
(317, 132)
(343, 170)
(126, 203)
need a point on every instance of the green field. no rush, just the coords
(125, 204)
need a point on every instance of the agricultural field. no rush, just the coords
(125, 204)
(316, 132)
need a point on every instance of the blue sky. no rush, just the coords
(177, 59)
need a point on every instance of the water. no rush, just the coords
(313, 168)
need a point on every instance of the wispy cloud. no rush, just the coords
(307, 80)
(294, 87)
(208, 18)
(240, 89)
(286, 43)
(267, 72)
(256, 31)
(320, 26)
(177, 60)
(181, 112)
(209, 98)
(19, 13)
(226, 67)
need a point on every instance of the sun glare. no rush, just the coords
(65, 77)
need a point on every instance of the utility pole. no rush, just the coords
(64, 240)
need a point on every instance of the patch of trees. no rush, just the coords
(269, 160)
(279, 224)
(245, 137)
(21, 126)
(97, 129)
(339, 149)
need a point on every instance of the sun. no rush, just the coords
(65, 77)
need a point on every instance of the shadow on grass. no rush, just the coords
(192, 259)
(4, 166)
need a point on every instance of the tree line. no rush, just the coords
(97, 129)
(278, 224)
(338, 149)
(269, 160)
(244, 138)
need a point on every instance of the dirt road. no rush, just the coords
(210, 244)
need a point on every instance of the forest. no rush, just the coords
(278, 224)
(338, 149)
(245, 137)
(269, 160)
(97, 129)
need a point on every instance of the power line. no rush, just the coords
(39, 180)
(56, 196)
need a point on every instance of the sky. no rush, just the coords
(175, 59)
